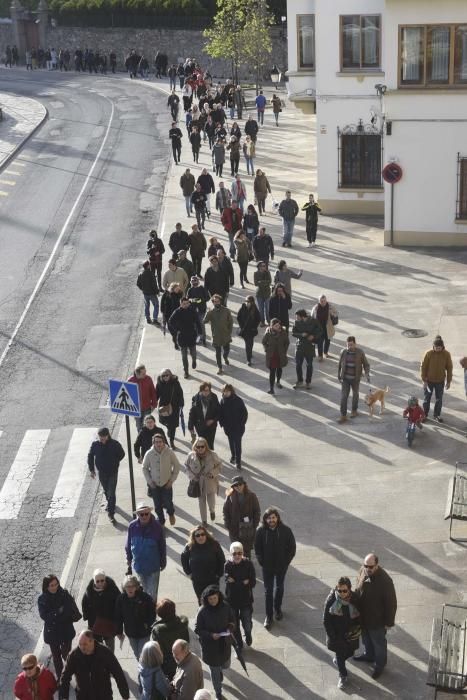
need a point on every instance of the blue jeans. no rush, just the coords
(149, 583)
(109, 484)
(151, 299)
(273, 597)
(232, 112)
(287, 230)
(173, 82)
(163, 498)
(188, 204)
(376, 646)
(217, 677)
(137, 645)
(263, 308)
(250, 164)
(300, 356)
(438, 388)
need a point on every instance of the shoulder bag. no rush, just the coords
(193, 490)
(167, 410)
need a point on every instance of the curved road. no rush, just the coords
(82, 326)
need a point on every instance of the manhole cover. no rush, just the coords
(414, 333)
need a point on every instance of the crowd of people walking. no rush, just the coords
(180, 300)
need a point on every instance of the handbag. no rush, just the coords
(193, 490)
(75, 613)
(167, 410)
(354, 633)
(104, 628)
(334, 320)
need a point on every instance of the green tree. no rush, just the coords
(240, 33)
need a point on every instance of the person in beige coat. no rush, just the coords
(175, 274)
(327, 315)
(160, 469)
(204, 466)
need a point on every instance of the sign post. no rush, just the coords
(124, 399)
(392, 173)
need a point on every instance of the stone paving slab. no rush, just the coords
(345, 490)
(22, 116)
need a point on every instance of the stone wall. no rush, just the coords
(174, 42)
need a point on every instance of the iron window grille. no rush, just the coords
(360, 156)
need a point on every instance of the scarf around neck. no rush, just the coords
(338, 605)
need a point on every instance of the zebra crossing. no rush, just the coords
(26, 466)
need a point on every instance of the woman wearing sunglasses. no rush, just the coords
(341, 621)
(202, 465)
(34, 681)
(203, 560)
(98, 606)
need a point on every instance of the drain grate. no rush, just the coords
(414, 333)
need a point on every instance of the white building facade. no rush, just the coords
(391, 86)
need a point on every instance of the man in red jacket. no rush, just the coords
(147, 394)
(34, 681)
(232, 219)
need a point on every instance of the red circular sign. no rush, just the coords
(392, 173)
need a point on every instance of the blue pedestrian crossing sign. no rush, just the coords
(124, 397)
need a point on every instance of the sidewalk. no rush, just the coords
(22, 116)
(344, 490)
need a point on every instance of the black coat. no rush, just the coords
(216, 281)
(99, 603)
(204, 562)
(275, 549)
(169, 302)
(105, 457)
(263, 247)
(93, 675)
(143, 442)
(135, 615)
(170, 392)
(251, 128)
(238, 594)
(185, 326)
(338, 626)
(199, 296)
(377, 599)
(207, 183)
(178, 241)
(215, 652)
(279, 308)
(58, 610)
(197, 419)
(227, 268)
(147, 282)
(233, 415)
(248, 320)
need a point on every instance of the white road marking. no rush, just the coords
(162, 229)
(3, 194)
(22, 473)
(12, 183)
(73, 472)
(12, 172)
(42, 277)
(138, 359)
(76, 541)
(20, 165)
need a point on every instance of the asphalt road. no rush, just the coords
(82, 326)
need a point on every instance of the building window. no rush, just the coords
(360, 156)
(433, 55)
(360, 42)
(461, 208)
(306, 41)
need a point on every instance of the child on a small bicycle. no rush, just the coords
(413, 412)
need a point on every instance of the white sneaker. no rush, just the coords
(309, 245)
(342, 682)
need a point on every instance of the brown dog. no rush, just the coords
(373, 397)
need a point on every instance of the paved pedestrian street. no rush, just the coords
(345, 489)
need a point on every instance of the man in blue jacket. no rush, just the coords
(105, 455)
(145, 549)
(260, 106)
